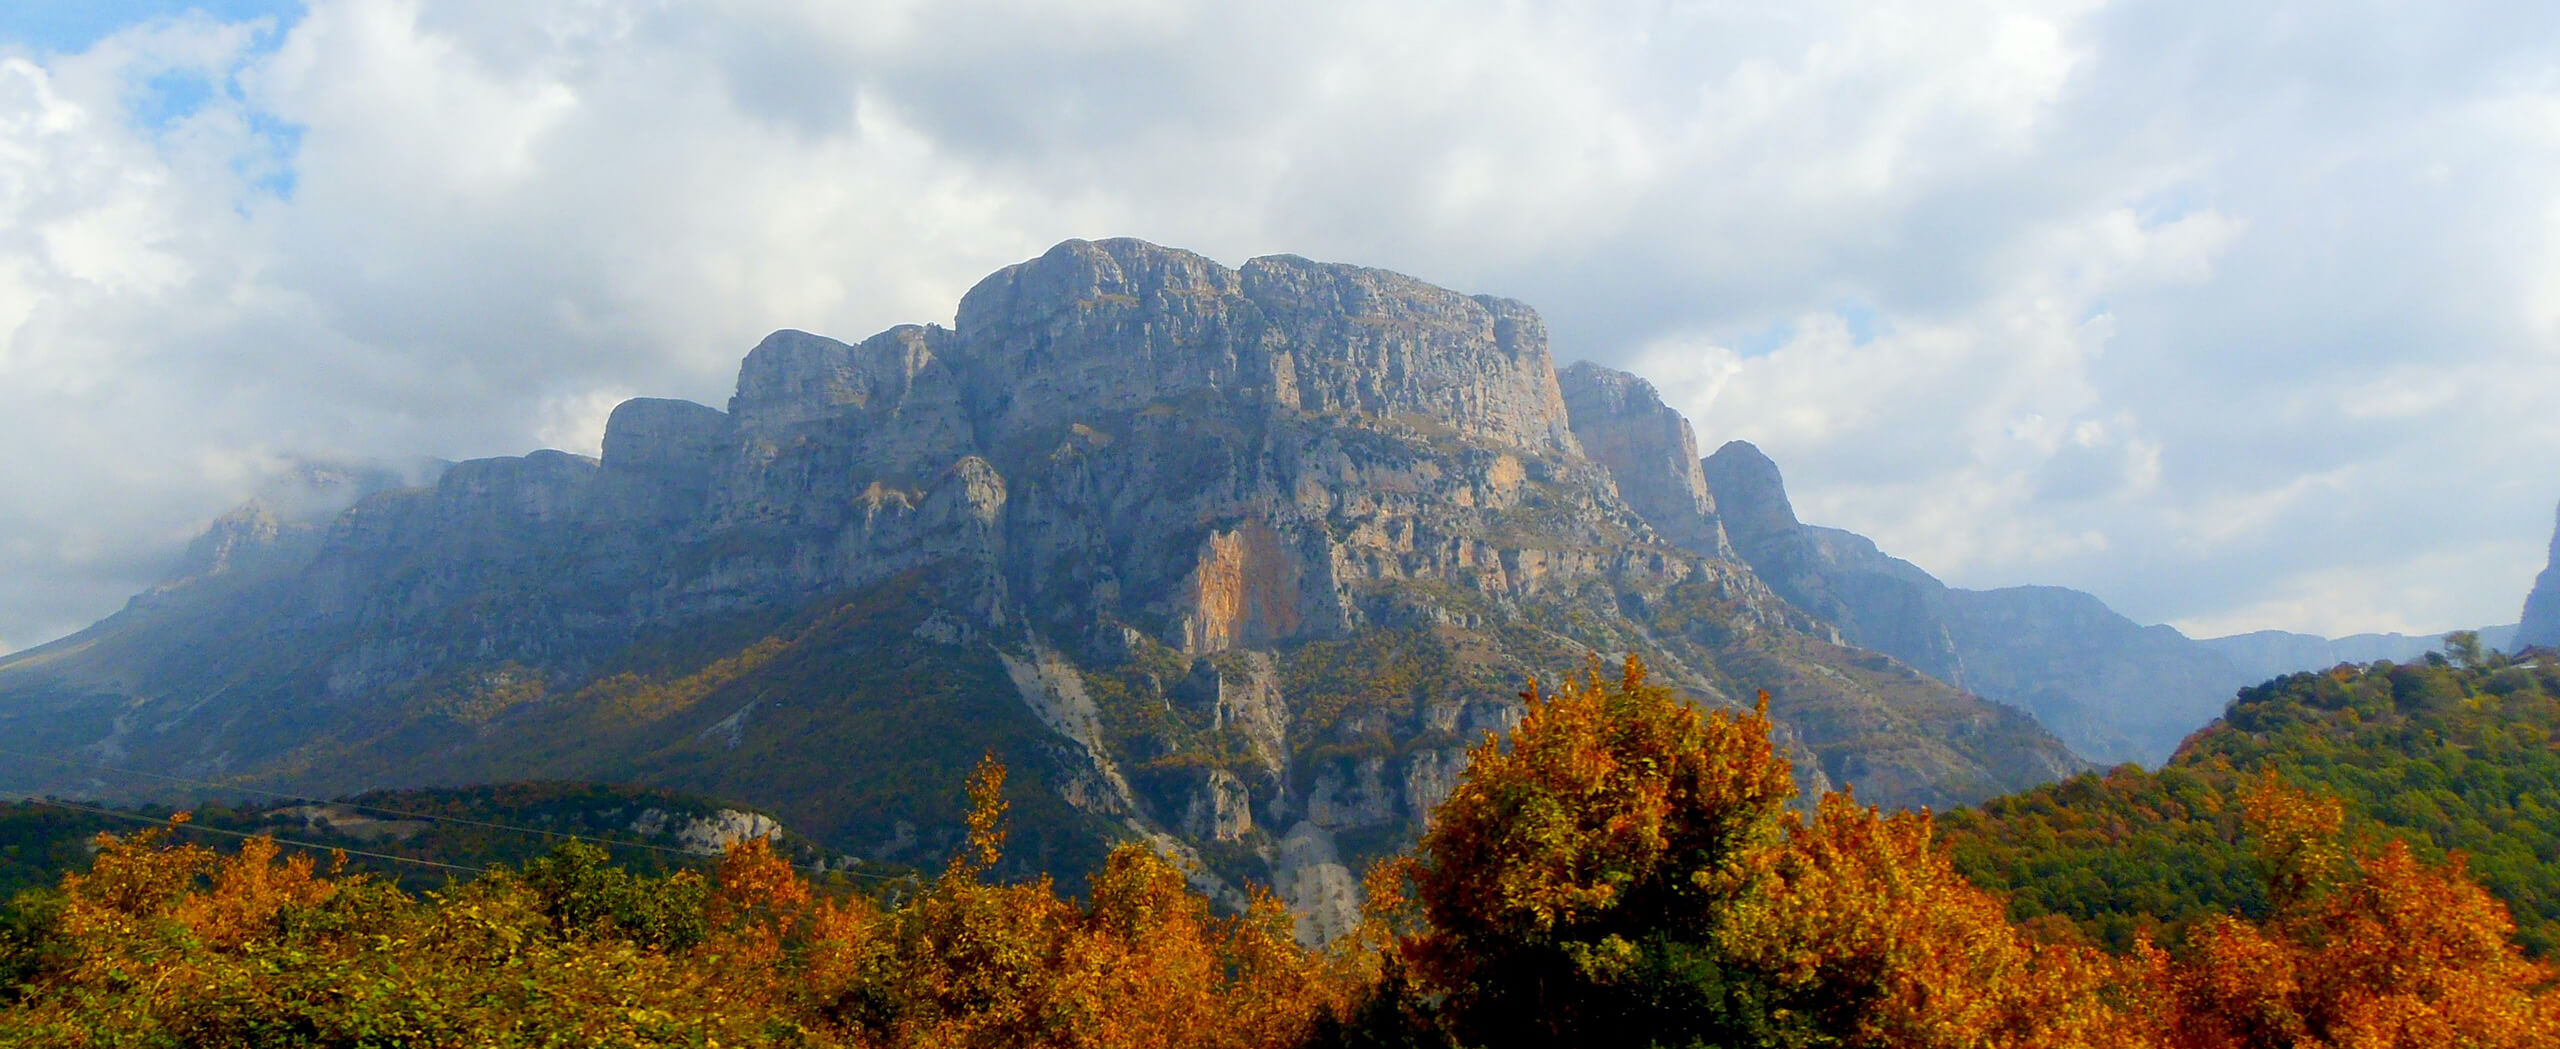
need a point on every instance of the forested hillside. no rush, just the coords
(421, 839)
(2458, 754)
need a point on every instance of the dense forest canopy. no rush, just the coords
(1621, 868)
(2458, 754)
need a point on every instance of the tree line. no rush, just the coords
(1620, 869)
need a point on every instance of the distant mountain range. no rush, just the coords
(2114, 689)
(1238, 561)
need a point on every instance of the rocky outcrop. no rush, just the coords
(2541, 623)
(1876, 601)
(1387, 345)
(708, 834)
(814, 415)
(677, 440)
(1094, 329)
(1650, 452)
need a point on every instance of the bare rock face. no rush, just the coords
(1246, 589)
(1650, 452)
(1097, 328)
(648, 435)
(709, 834)
(2541, 625)
(1222, 809)
(1103, 328)
(1384, 344)
(813, 414)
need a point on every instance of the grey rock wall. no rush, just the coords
(2541, 623)
(1650, 452)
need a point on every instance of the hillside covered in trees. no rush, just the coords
(2452, 754)
(421, 838)
(1619, 869)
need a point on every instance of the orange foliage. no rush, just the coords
(1871, 938)
(1147, 964)
(1627, 854)
(2396, 954)
(1607, 797)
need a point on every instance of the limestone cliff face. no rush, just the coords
(1099, 328)
(2541, 625)
(1236, 561)
(1387, 345)
(672, 445)
(1650, 452)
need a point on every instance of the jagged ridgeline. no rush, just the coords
(1237, 560)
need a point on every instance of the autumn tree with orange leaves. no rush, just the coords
(1623, 868)
(2370, 951)
(1575, 880)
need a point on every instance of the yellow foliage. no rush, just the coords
(1871, 937)
(2393, 955)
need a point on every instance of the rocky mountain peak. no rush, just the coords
(2541, 624)
(1751, 495)
(1650, 451)
(1093, 328)
(1351, 338)
(249, 527)
(657, 435)
(792, 376)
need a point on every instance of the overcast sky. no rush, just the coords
(2236, 315)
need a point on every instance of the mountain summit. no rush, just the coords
(1237, 561)
(2541, 624)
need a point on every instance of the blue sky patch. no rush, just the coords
(1863, 321)
(171, 97)
(1766, 340)
(273, 174)
(68, 26)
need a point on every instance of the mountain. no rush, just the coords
(2541, 625)
(2114, 689)
(1238, 561)
(2268, 654)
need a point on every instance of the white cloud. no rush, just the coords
(2202, 307)
(575, 422)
